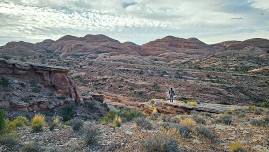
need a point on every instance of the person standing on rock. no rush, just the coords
(171, 94)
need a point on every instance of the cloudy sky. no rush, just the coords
(134, 20)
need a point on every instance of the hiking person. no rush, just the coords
(171, 94)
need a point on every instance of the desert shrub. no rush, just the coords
(117, 121)
(188, 122)
(4, 82)
(226, 119)
(129, 114)
(143, 123)
(77, 124)
(199, 119)
(31, 147)
(257, 122)
(161, 143)
(207, 133)
(68, 112)
(9, 140)
(38, 122)
(183, 131)
(21, 121)
(56, 122)
(2, 121)
(125, 114)
(264, 104)
(108, 118)
(91, 135)
(192, 103)
(236, 147)
(17, 122)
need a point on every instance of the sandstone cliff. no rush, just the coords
(31, 87)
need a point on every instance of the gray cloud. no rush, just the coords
(134, 20)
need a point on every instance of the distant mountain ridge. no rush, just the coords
(68, 45)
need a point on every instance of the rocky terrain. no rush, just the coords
(207, 73)
(94, 93)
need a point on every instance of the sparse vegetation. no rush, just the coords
(125, 114)
(162, 142)
(56, 122)
(188, 122)
(199, 119)
(258, 122)
(77, 124)
(226, 119)
(207, 133)
(38, 123)
(91, 135)
(143, 123)
(68, 112)
(108, 118)
(264, 104)
(17, 122)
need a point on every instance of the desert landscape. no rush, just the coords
(94, 93)
(134, 76)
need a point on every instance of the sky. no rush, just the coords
(138, 21)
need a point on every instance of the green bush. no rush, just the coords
(17, 122)
(77, 124)
(129, 114)
(68, 112)
(125, 114)
(109, 117)
(143, 123)
(91, 135)
(161, 143)
(2, 121)
(207, 133)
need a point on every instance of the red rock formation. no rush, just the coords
(54, 79)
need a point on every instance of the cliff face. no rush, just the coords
(30, 87)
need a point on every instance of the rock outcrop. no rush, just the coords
(31, 87)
